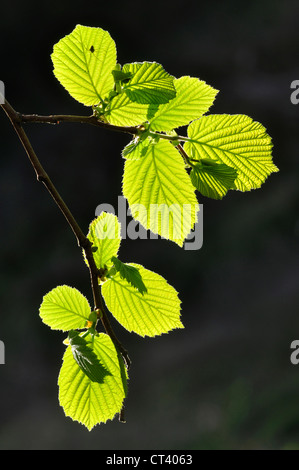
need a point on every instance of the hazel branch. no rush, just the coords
(82, 240)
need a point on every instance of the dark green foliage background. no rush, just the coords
(226, 381)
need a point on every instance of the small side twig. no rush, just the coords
(183, 153)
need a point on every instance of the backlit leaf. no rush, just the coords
(213, 180)
(86, 358)
(83, 63)
(122, 111)
(150, 83)
(104, 233)
(193, 98)
(131, 274)
(88, 401)
(238, 142)
(159, 192)
(155, 312)
(65, 308)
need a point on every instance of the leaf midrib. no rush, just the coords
(87, 67)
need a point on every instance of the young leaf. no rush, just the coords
(136, 149)
(87, 401)
(151, 314)
(119, 75)
(104, 233)
(130, 274)
(83, 63)
(150, 83)
(86, 358)
(64, 308)
(238, 142)
(160, 194)
(121, 111)
(213, 180)
(193, 98)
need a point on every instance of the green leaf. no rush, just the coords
(87, 401)
(213, 180)
(104, 234)
(85, 357)
(193, 98)
(119, 75)
(150, 83)
(121, 111)
(159, 192)
(151, 314)
(83, 63)
(238, 142)
(64, 308)
(130, 274)
(136, 149)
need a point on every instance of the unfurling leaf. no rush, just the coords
(213, 180)
(130, 274)
(136, 149)
(86, 358)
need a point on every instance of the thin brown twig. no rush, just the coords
(93, 120)
(83, 242)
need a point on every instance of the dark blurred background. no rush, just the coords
(226, 380)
